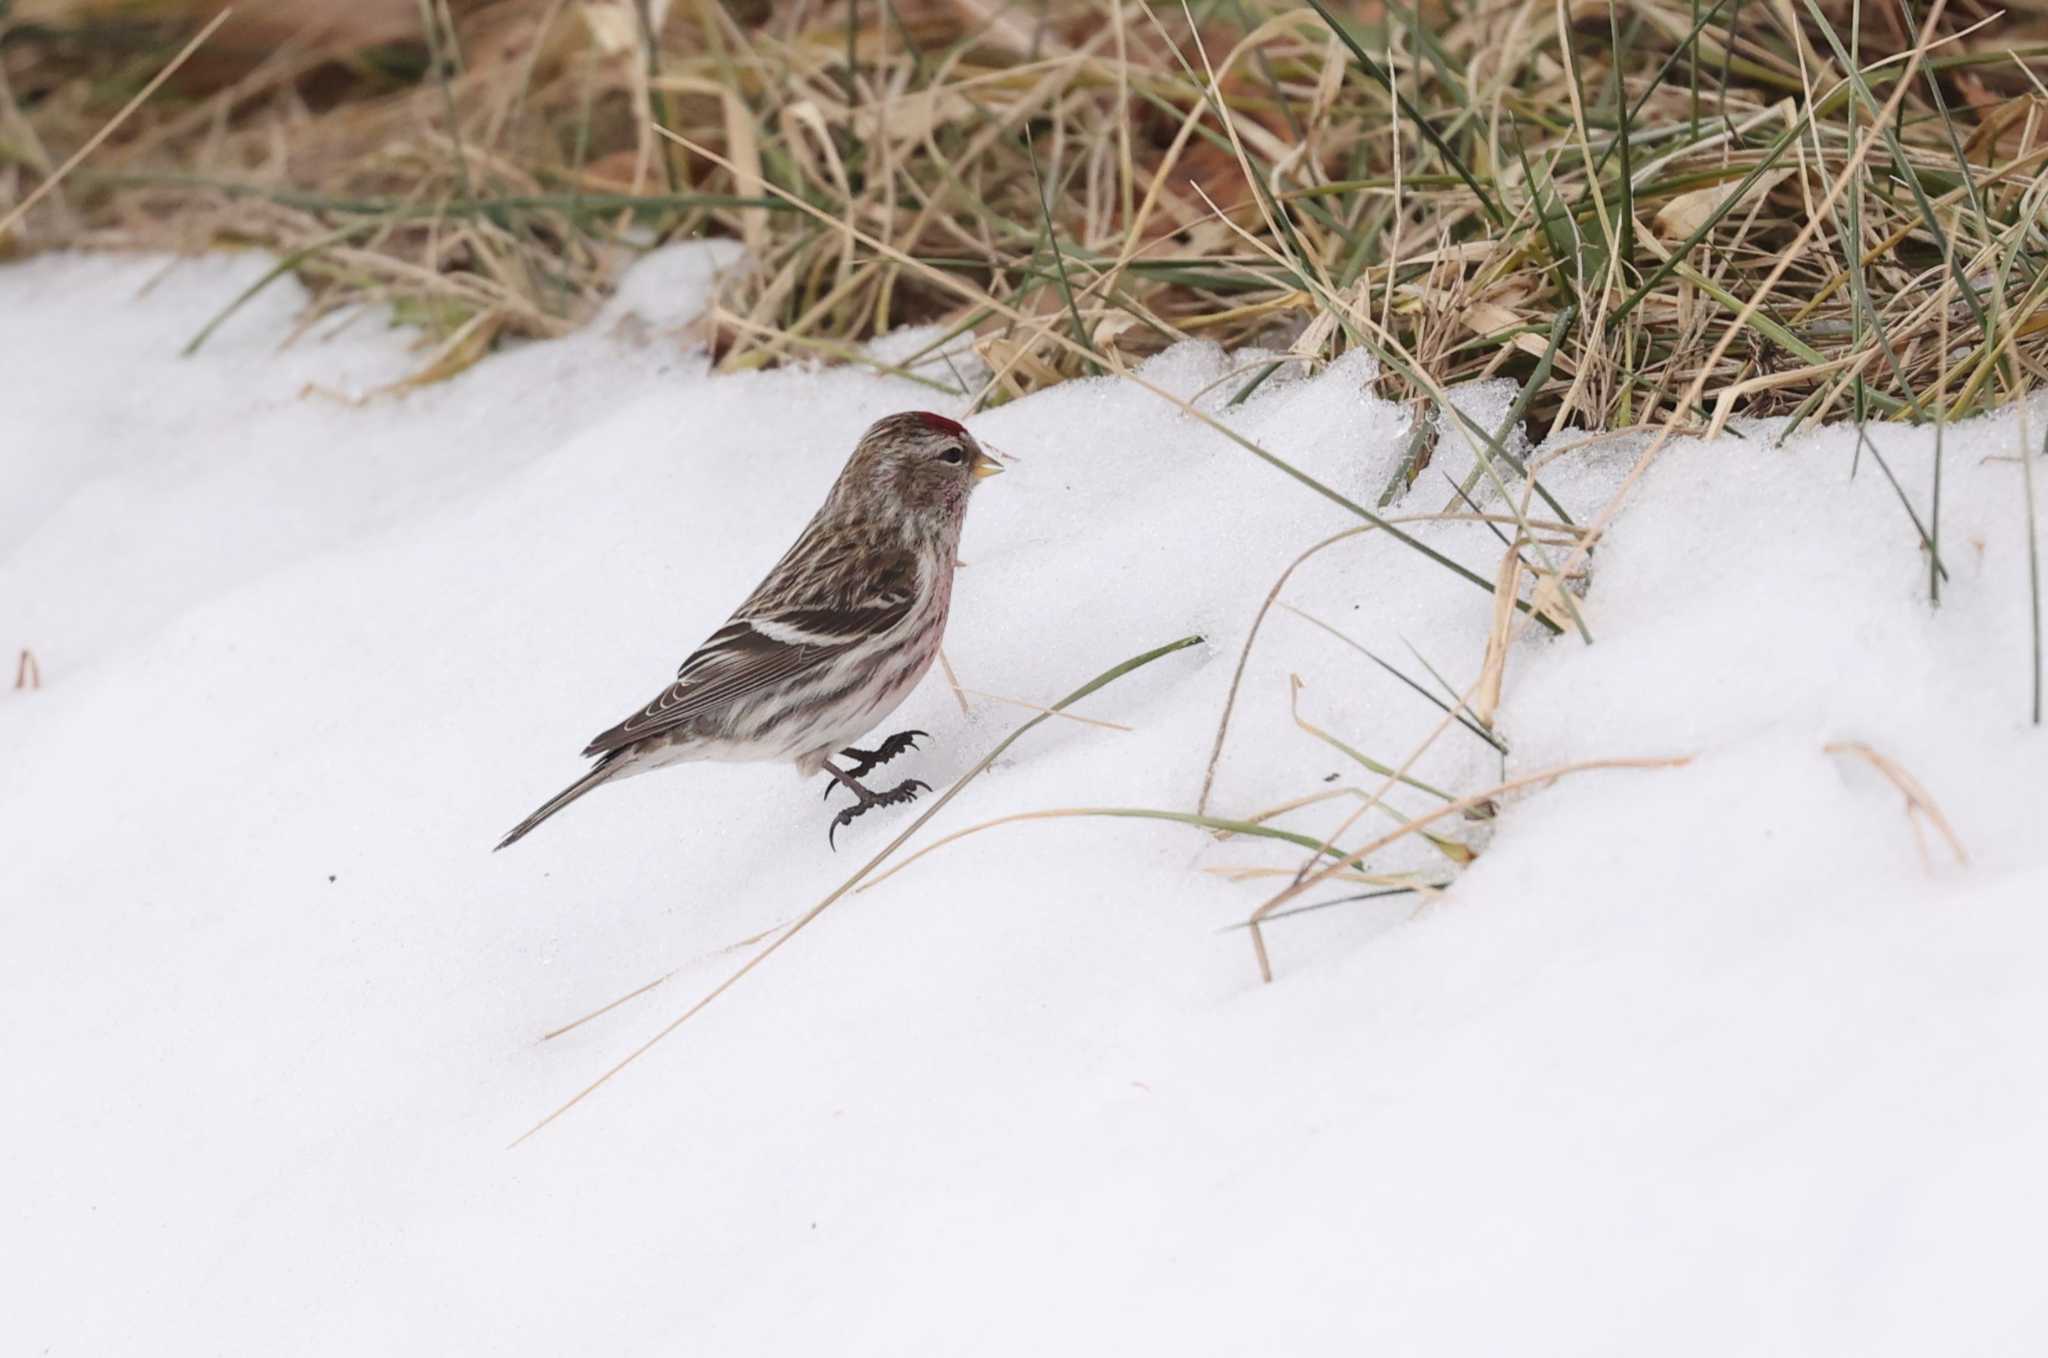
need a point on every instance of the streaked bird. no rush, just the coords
(835, 638)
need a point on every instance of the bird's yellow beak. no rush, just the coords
(985, 467)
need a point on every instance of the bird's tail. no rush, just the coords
(605, 769)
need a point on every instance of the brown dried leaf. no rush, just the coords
(1487, 700)
(1688, 212)
(1548, 601)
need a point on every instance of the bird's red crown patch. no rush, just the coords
(939, 422)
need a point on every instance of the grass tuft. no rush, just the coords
(1576, 196)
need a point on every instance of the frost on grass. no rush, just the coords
(1678, 1036)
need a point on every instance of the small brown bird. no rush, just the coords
(833, 640)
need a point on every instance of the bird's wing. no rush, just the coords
(768, 648)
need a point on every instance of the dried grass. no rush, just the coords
(1439, 184)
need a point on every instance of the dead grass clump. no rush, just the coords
(1579, 196)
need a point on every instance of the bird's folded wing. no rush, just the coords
(750, 654)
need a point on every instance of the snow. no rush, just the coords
(1703, 1059)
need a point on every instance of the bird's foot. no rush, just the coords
(867, 761)
(899, 795)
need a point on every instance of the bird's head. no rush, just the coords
(919, 465)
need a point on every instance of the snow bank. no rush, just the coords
(1697, 1060)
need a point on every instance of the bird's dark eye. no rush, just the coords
(955, 455)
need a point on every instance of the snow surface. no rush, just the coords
(1713, 1059)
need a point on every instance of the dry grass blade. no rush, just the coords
(1248, 873)
(1040, 707)
(603, 1009)
(1312, 907)
(1417, 823)
(1493, 669)
(658, 981)
(142, 96)
(1474, 727)
(1310, 729)
(953, 683)
(1244, 654)
(939, 804)
(1918, 802)
(1235, 827)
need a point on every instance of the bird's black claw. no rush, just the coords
(901, 741)
(867, 761)
(902, 793)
